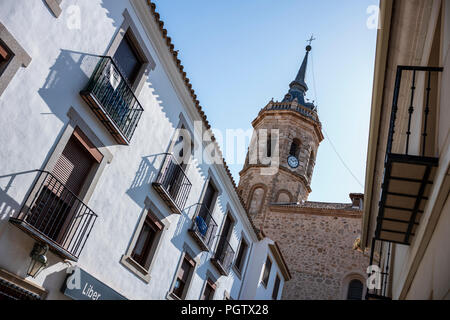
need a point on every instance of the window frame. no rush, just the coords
(19, 58)
(128, 28)
(54, 6)
(209, 283)
(265, 282)
(187, 254)
(239, 270)
(149, 212)
(150, 241)
(276, 285)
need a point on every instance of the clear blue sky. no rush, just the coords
(239, 54)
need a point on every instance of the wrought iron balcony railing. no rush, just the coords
(381, 277)
(172, 184)
(111, 98)
(204, 228)
(55, 215)
(411, 160)
(223, 258)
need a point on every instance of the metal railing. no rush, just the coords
(174, 181)
(413, 103)
(56, 215)
(296, 107)
(204, 225)
(224, 254)
(381, 282)
(114, 94)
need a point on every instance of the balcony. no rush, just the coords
(223, 259)
(203, 228)
(52, 214)
(172, 184)
(410, 162)
(383, 256)
(111, 98)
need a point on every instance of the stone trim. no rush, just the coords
(144, 54)
(251, 194)
(19, 59)
(54, 6)
(345, 213)
(127, 261)
(20, 282)
(353, 275)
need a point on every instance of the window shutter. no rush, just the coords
(73, 166)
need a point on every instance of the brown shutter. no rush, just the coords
(73, 165)
(3, 52)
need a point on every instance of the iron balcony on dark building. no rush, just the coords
(203, 228)
(411, 160)
(54, 215)
(223, 258)
(172, 184)
(111, 98)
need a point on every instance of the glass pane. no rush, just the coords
(127, 59)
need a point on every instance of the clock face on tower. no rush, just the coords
(293, 162)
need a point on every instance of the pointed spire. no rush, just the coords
(298, 87)
(300, 79)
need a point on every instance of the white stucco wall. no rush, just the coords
(253, 288)
(34, 115)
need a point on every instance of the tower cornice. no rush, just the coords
(296, 110)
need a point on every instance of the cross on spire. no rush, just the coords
(310, 40)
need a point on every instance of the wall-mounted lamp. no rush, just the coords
(38, 259)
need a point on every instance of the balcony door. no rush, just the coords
(128, 59)
(58, 195)
(224, 238)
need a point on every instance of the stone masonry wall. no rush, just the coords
(318, 251)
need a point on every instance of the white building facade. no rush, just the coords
(96, 165)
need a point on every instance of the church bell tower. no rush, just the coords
(297, 143)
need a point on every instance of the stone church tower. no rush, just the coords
(316, 238)
(300, 133)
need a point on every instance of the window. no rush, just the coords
(56, 202)
(256, 200)
(276, 288)
(5, 56)
(127, 58)
(12, 57)
(240, 258)
(266, 273)
(269, 146)
(128, 49)
(183, 278)
(310, 165)
(210, 289)
(295, 148)
(355, 290)
(146, 240)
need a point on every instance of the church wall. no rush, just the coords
(318, 251)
